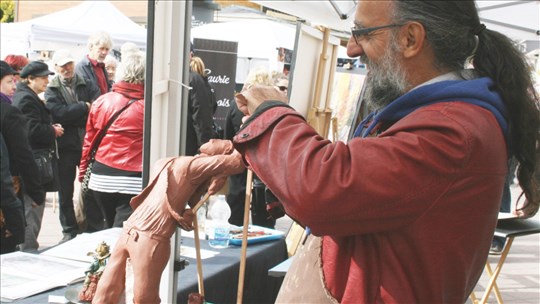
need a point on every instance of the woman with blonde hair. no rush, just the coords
(197, 65)
(202, 105)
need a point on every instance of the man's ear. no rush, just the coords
(412, 39)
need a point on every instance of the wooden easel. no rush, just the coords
(320, 114)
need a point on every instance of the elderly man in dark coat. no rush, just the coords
(69, 98)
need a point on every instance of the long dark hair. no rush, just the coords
(454, 32)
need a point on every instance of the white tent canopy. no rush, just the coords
(70, 28)
(519, 20)
(256, 38)
(258, 41)
(335, 14)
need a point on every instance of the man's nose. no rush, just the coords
(353, 49)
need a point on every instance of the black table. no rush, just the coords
(221, 275)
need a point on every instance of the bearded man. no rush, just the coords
(405, 212)
(92, 65)
(69, 97)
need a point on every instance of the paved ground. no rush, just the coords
(519, 281)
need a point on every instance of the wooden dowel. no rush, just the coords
(200, 278)
(198, 254)
(242, 271)
(200, 203)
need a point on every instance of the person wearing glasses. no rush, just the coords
(405, 211)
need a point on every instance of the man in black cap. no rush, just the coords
(21, 164)
(42, 134)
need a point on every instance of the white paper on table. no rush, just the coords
(25, 274)
(79, 247)
(189, 252)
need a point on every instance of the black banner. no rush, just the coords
(220, 60)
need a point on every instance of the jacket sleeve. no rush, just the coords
(12, 207)
(89, 137)
(39, 133)
(92, 90)
(16, 138)
(333, 187)
(73, 115)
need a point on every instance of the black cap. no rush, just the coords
(6, 69)
(36, 68)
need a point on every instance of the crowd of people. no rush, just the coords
(69, 108)
(60, 116)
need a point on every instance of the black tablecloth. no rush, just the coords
(221, 275)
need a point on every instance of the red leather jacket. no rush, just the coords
(121, 148)
(407, 216)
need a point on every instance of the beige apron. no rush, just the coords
(304, 282)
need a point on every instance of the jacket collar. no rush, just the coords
(56, 82)
(479, 92)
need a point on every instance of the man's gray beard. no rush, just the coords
(386, 79)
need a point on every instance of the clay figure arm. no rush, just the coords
(203, 168)
(199, 174)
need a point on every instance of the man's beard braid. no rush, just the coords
(386, 79)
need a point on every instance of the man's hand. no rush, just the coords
(58, 130)
(248, 100)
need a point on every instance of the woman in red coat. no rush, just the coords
(117, 170)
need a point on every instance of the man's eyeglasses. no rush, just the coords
(358, 34)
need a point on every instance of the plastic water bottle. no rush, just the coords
(217, 223)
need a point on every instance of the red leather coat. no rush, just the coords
(406, 216)
(121, 148)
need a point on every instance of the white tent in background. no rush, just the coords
(258, 41)
(70, 29)
(519, 20)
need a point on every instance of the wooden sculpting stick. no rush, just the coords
(198, 253)
(244, 238)
(198, 243)
(200, 203)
